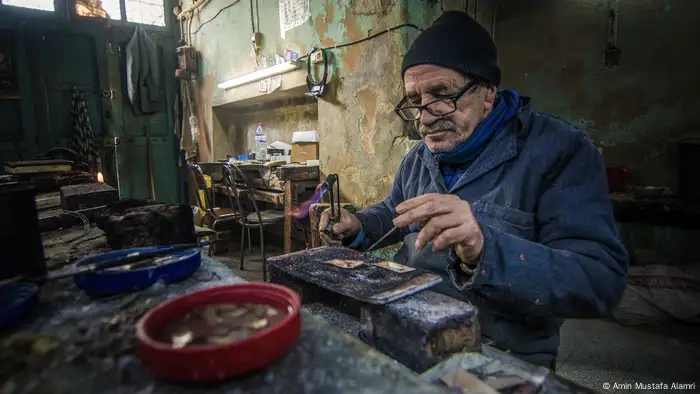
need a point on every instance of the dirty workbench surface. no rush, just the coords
(75, 344)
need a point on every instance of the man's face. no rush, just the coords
(426, 83)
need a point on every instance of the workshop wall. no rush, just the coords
(278, 123)
(360, 136)
(553, 50)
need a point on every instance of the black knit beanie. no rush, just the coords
(456, 41)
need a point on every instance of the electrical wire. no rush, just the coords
(347, 44)
(215, 15)
(253, 25)
(60, 240)
(252, 17)
(257, 15)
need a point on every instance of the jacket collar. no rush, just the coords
(503, 147)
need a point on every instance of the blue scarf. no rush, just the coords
(454, 163)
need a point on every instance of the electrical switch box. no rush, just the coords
(317, 57)
(187, 58)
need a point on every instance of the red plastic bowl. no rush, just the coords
(207, 363)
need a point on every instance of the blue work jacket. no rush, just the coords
(551, 247)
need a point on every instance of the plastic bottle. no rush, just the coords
(260, 144)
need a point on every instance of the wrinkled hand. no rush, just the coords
(447, 221)
(348, 226)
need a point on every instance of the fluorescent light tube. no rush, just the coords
(258, 75)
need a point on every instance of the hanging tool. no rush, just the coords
(317, 89)
(334, 199)
(149, 157)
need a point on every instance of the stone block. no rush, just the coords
(150, 225)
(87, 195)
(421, 330)
(418, 331)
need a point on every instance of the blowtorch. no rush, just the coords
(334, 199)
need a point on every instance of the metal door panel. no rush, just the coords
(134, 171)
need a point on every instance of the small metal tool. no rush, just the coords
(385, 236)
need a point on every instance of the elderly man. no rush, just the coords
(509, 205)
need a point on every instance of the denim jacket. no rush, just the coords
(551, 248)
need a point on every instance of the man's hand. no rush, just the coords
(348, 226)
(447, 221)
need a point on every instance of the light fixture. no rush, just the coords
(260, 74)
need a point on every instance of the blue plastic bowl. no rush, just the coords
(16, 301)
(108, 282)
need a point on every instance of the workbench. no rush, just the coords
(75, 344)
(284, 185)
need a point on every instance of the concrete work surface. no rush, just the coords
(594, 352)
(92, 360)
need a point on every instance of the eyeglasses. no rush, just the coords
(439, 107)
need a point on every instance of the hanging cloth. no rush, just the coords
(82, 139)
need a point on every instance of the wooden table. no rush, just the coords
(282, 185)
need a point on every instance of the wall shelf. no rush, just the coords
(248, 96)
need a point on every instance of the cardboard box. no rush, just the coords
(303, 151)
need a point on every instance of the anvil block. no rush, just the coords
(421, 330)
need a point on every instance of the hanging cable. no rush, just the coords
(347, 44)
(252, 17)
(215, 15)
(257, 16)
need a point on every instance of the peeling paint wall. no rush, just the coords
(553, 50)
(360, 136)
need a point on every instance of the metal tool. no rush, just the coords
(334, 199)
(385, 236)
(149, 158)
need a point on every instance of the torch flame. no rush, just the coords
(300, 211)
(100, 178)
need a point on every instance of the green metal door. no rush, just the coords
(156, 130)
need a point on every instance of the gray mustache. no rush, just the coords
(440, 125)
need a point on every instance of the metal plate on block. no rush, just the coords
(367, 282)
(396, 267)
(413, 286)
(349, 264)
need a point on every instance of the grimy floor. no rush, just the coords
(594, 352)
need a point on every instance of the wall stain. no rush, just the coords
(352, 54)
(205, 115)
(322, 22)
(624, 105)
(367, 100)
